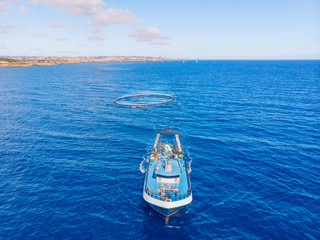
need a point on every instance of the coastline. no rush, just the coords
(7, 62)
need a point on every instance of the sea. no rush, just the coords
(71, 162)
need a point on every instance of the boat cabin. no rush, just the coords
(168, 171)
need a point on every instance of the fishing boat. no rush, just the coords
(167, 187)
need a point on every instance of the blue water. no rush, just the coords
(69, 158)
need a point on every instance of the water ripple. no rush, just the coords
(69, 158)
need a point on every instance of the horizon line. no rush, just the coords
(163, 57)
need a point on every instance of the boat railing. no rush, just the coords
(168, 130)
(168, 198)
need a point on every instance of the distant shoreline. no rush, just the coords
(7, 62)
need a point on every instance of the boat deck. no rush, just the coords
(169, 186)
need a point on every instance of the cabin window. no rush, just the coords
(168, 179)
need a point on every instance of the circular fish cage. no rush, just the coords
(121, 101)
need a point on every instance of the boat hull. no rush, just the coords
(166, 209)
(167, 212)
(167, 187)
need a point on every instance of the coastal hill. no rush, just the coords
(41, 61)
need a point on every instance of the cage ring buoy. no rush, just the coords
(167, 99)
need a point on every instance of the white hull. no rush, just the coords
(167, 205)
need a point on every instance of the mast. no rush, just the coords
(156, 141)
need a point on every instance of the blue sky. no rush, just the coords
(203, 29)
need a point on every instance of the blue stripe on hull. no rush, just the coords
(165, 211)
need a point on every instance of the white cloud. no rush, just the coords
(73, 24)
(23, 10)
(62, 39)
(4, 27)
(12, 1)
(96, 38)
(55, 25)
(97, 31)
(74, 7)
(160, 43)
(100, 16)
(3, 8)
(40, 35)
(149, 34)
(112, 16)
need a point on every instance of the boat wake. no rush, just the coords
(189, 160)
(168, 226)
(144, 163)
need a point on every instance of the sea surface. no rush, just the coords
(70, 158)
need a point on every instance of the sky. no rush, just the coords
(203, 29)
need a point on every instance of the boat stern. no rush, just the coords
(166, 208)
